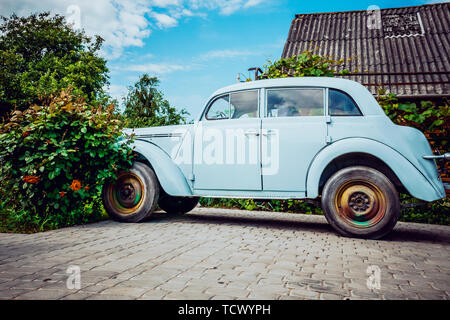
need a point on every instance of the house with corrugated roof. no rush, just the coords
(402, 50)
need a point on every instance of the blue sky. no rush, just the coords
(193, 46)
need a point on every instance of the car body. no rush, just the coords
(284, 139)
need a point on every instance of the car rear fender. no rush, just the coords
(411, 178)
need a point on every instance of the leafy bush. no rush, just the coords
(430, 118)
(430, 212)
(55, 158)
(297, 206)
(305, 64)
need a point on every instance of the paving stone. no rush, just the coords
(366, 294)
(126, 291)
(330, 296)
(110, 297)
(43, 294)
(304, 293)
(225, 254)
(154, 295)
(12, 293)
(232, 292)
(77, 296)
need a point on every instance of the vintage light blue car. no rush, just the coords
(291, 138)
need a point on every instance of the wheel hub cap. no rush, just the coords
(360, 203)
(127, 192)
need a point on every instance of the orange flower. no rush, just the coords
(62, 194)
(76, 185)
(31, 179)
(86, 188)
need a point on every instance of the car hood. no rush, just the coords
(168, 138)
(155, 131)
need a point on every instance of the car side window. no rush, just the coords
(219, 109)
(340, 104)
(295, 102)
(244, 104)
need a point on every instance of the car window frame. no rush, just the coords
(212, 100)
(266, 98)
(342, 115)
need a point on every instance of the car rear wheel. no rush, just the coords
(177, 205)
(133, 196)
(361, 202)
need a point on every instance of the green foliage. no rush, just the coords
(88, 212)
(40, 55)
(435, 212)
(297, 206)
(55, 158)
(305, 64)
(428, 117)
(145, 106)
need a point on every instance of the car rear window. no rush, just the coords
(341, 104)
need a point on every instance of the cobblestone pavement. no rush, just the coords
(225, 254)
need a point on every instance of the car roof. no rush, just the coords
(366, 102)
(327, 82)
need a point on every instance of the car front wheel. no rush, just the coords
(133, 196)
(361, 202)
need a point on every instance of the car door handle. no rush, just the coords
(268, 132)
(251, 133)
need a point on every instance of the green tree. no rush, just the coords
(42, 54)
(145, 106)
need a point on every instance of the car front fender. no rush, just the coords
(169, 174)
(411, 178)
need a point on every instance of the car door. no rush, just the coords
(293, 131)
(227, 144)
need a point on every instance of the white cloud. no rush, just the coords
(226, 7)
(117, 91)
(224, 54)
(164, 21)
(158, 68)
(124, 23)
(166, 3)
(120, 23)
(252, 3)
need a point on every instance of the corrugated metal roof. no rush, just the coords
(407, 52)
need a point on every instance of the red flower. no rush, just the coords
(31, 179)
(86, 188)
(62, 194)
(26, 133)
(76, 185)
